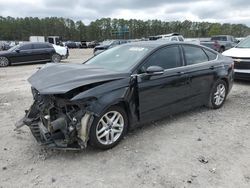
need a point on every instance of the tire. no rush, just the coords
(56, 58)
(222, 49)
(218, 94)
(104, 127)
(4, 62)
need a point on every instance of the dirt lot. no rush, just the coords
(200, 148)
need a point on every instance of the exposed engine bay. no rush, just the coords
(57, 122)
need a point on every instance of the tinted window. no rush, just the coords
(168, 57)
(39, 46)
(211, 55)
(180, 39)
(194, 55)
(219, 38)
(26, 47)
(174, 39)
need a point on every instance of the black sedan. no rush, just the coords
(31, 52)
(121, 88)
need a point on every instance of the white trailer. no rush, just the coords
(37, 39)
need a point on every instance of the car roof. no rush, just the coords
(156, 44)
(35, 43)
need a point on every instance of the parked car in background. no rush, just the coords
(107, 45)
(122, 88)
(241, 57)
(213, 45)
(225, 41)
(172, 37)
(32, 52)
(84, 44)
(93, 44)
(78, 44)
(71, 44)
(168, 37)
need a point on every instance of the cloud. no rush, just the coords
(231, 11)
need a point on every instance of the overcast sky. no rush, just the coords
(223, 11)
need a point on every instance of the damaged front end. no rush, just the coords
(57, 122)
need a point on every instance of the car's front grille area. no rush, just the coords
(241, 63)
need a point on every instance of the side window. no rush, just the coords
(167, 58)
(174, 39)
(180, 38)
(211, 55)
(26, 47)
(40, 46)
(194, 55)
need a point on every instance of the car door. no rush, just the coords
(201, 69)
(42, 52)
(163, 94)
(23, 54)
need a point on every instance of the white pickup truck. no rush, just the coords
(63, 51)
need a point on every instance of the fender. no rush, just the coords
(122, 91)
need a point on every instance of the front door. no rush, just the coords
(23, 54)
(162, 95)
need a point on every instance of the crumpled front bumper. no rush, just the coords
(46, 137)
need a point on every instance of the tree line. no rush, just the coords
(107, 28)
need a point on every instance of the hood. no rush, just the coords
(61, 78)
(237, 52)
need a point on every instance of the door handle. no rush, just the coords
(212, 68)
(180, 73)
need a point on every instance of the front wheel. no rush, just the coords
(218, 95)
(108, 129)
(4, 62)
(56, 58)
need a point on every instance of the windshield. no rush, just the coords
(14, 48)
(244, 43)
(120, 58)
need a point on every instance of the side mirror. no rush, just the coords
(154, 70)
(17, 50)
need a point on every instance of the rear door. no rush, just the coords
(42, 51)
(201, 68)
(162, 95)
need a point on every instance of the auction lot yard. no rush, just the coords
(199, 148)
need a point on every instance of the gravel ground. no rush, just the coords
(200, 148)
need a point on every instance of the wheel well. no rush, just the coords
(226, 81)
(123, 105)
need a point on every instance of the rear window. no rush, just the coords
(211, 55)
(194, 55)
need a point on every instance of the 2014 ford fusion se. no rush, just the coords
(97, 102)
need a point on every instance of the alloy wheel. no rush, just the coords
(56, 58)
(4, 62)
(220, 94)
(110, 127)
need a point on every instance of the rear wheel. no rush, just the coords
(222, 49)
(107, 130)
(4, 62)
(56, 58)
(218, 94)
